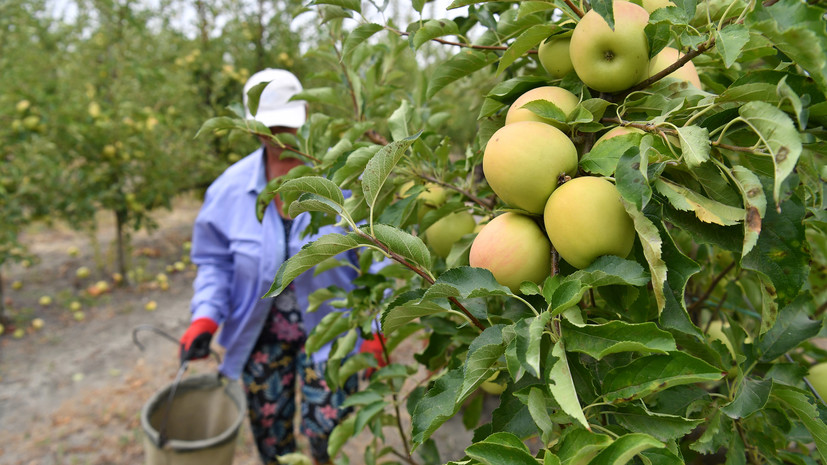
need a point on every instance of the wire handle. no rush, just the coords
(165, 335)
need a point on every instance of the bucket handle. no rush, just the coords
(165, 335)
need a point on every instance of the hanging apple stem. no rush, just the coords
(574, 8)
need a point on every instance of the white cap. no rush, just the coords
(274, 105)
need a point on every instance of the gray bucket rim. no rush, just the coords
(208, 380)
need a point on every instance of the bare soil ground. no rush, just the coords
(71, 392)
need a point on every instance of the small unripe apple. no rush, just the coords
(434, 195)
(161, 277)
(109, 150)
(45, 301)
(78, 316)
(38, 323)
(617, 131)
(514, 249)
(716, 333)
(523, 161)
(611, 60)
(585, 219)
(163, 285)
(30, 122)
(563, 99)
(492, 387)
(2, 329)
(179, 266)
(554, 57)
(18, 333)
(22, 106)
(17, 285)
(117, 278)
(666, 58)
(818, 378)
(151, 306)
(73, 251)
(446, 231)
(75, 306)
(83, 272)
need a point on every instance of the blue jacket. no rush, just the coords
(238, 257)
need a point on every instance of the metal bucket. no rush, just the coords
(192, 421)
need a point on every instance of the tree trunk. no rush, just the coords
(120, 221)
(2, 301)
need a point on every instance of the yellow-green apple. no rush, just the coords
(563, 99)
(523, 160)
(446, 231)
(434, 195)
(38, 323)
(45, 301)
(818, 378)
(617, 131)
(652, 5)
(151, 306)
(75, 306)
(585, 219)
(666, 58)
(83, 272)
(554, 57)
(611, 60)
(514, 249)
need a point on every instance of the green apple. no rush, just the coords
(83, 272)
(652, 5)
(554, 57)
(585, 219)
(30, 122)
(563, 99)
(73, 251)
(666, 58)
(434, 195)
(38, 323)
(22, 106)
(78, 316)
(75, 306)
(151, 306)
(514, 249)
(45, 301)
(523, 161)
(617, 131)
(2, 329)
(17, 285)
(818, 378)
(18, 333)
(611, 60)
(446, 231)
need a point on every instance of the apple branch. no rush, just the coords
(456, 44)
(400, 259)
(684, 59)
(574, 8)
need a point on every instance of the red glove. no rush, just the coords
(374, 346)
(195, 343)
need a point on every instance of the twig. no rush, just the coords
(709, 289)
(574, 8)
(457, 44)
(403, 457)
(400, 259)
(686, 58)
(488, 205)
(375, 137)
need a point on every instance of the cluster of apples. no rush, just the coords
(531, 164)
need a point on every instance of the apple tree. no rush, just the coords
(680, 296)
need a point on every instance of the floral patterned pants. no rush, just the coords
(276, 366)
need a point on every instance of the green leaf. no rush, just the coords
(661, 426)
(399, 119)
(792, 327)
(653, 373)
(717, 434)
(579, 446)
(650, 240)
(799, 403)
(631, 177)
(380, 166)
(537, 407)
(331, 326)
(316, 185)
(326, 95)
(483, 353)
(681, 269)
(436, 407)
(729, 42)
(781, 253)
(695, 145)
(507, 91)
(625, 448)
(546, 109)
(460, 65)
(602, 159)
(311, 255)
(600, 340)
(340, 435)
(529, 39)
(432, 29)
(751, 397)
(314, 203)
(368, 413)
(562, 385)
(610, 270)
(531, 352)
(403, 243)
(398, 315)
(778, 135)
(354, 165)
(605, 8)
(358, 36)
(706, 209)
(755, 203)
(466, 282)
(796, 29)
(354, 5)
(501, 448)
